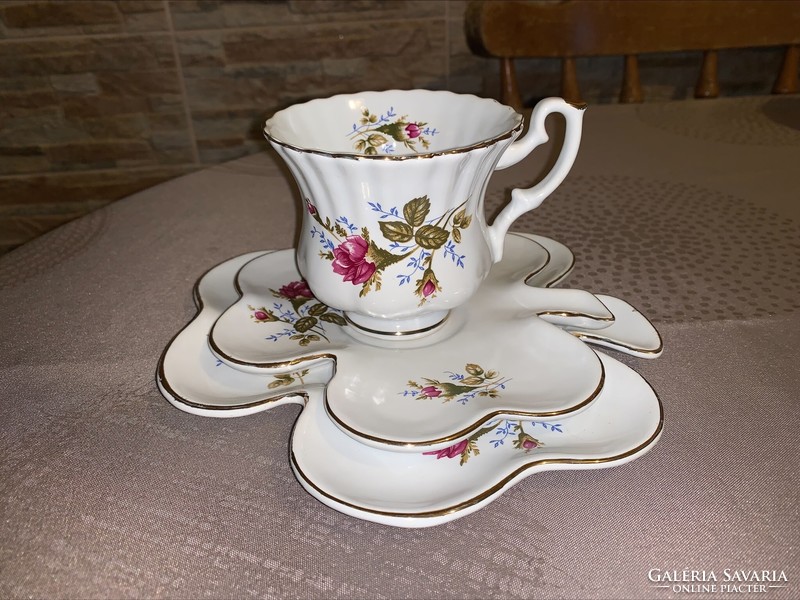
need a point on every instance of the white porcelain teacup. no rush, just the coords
(394, 232)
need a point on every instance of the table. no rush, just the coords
(689, 210)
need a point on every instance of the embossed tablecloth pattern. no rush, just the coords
(688, 210)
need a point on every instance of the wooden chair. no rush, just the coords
(574, 28)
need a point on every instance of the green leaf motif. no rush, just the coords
(281, 380)
(453, 390)
(416, 210)
(396, 231)
(305, 324)
(297, 303)
(474, 369)
(317, 310)
(376, 139)
(333, 318)
(382, 258)
(396, 130)
(431, 237)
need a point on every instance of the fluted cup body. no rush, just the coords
(392, 185)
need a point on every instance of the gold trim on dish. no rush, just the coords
(590, 337)
(563, 275)
(266, 365)
(472, 427)
(488, 493)
(567, 313)
(594, 336)
(548, 256)
(559, 278)
(162, 378)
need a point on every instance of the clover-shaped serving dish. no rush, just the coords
(493, 357)
(430, 486)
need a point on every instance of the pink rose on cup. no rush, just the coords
(450, 451)
(350, 260)
(413, 130)
(427, 285)
(296, 289)
(312, 210)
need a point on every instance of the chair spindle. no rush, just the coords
(787, 81)
(570, 90)
(508, 83)
(708, 83)
(631, 91)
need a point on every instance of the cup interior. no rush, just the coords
(392, 124)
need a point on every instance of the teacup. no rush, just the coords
(394, 232)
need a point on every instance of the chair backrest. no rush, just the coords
(578, 28)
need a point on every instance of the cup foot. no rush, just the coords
(411, 328)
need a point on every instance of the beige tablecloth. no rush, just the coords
(688, 210)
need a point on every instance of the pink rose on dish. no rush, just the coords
(350, 260)
(261, 315)
(527, 443)
(413, 130)
(450, 451)
(428, 288)
(312, 210)
(296, 289)
(430, 391)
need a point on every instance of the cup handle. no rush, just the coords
(523, 200)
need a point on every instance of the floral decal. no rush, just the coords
(413, 239)
(350, 260)
(462, 387)
(520, 439)
(459, 449)
(381, 133)
(475, 381)
(287, 379)
(304, 315)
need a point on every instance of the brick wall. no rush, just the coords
(101, 98)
